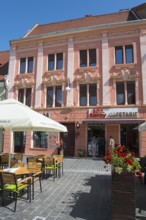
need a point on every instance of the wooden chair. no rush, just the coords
(31, 159)
(35, 170)
(18, 156)
(4, 160)
(49, 167)
(40, 157)
(15, 163)
(11, 185)
(59, 161)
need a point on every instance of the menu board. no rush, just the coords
(53, 139)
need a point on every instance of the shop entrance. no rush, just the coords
(96, 140)
(130, 137)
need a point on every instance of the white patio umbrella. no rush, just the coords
(142, 127)
(15, 116)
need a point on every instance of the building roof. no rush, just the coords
(86, 21)
(4, 62)
(140, 11)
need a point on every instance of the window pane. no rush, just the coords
(120, 93)
(83, 95)
(28, 97)
(21, 95)
(83, 58)
(129, 54)
(51, 62)
(22, 65)
(92, 94)
(40, 139)
(59, 64)
(58, 96)
(92, 57)
(30, 65)
(119, 54)
(50, 97)
(131, 92)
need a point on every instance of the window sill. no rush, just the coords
(89, 68)
(52, 72)
(37, 148)
(23, 75)
(125, 65)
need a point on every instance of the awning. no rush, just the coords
(115, 121)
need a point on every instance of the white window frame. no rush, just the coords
(55, 61)
(26, 66)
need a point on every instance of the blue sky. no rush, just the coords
(17, 17)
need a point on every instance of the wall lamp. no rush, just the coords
(77, 125)
(68, 85)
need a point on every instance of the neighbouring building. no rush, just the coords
(4, 64)
(88, 74)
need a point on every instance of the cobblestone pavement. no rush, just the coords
(82, 193)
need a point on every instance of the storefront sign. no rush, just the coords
(113, 113)
(121, 113)
(96, 113)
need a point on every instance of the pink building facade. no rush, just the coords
(88, 74)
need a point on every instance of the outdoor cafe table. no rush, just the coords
(18, 171)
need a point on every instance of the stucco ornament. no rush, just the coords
(125, 74)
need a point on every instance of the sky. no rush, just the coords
(17, 17)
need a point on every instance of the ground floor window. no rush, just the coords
(40, 139)
(96, 140)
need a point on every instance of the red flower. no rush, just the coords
(134, 167)
(139, 174)
(108, 153)
(128, 160)
(119, 148)
(123, 155)
(133, 154)
(105, 160)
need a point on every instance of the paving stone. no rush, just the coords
(82, 193)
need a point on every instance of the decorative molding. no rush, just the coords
(54, 77)
(124, 74)
(87, 75)
(24, 80)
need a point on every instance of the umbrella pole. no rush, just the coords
(11, 146)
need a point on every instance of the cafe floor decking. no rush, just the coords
(82, 193)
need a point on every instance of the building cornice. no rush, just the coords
(101, 27)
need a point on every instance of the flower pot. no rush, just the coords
(123, 196)
(81, 153)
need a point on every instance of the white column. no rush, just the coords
(11, 72)
(143, 62)
(105, 70)
(39, 76)
(70, 71)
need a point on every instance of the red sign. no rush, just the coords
(97, 113)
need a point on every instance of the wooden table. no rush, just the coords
(17, 171)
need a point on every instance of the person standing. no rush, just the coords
(61, 147)
(111, 142)
(93, 147)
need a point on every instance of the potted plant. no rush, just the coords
(80, 153)
(124, 168)
(123, 160)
